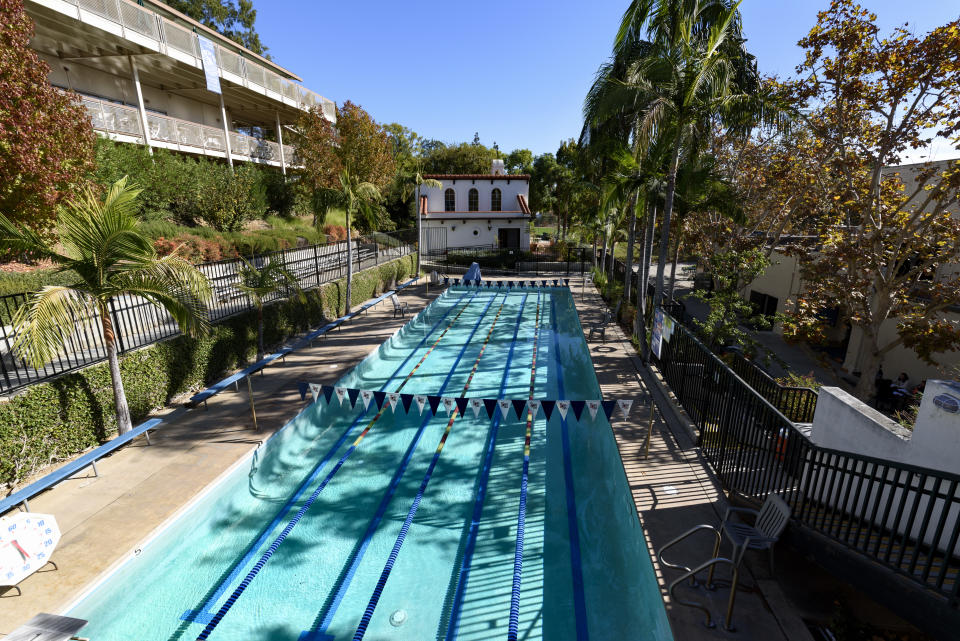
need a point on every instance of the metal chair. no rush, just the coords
(769, 522)
(398, 306)
(601, 327)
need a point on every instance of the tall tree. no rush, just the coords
(235, 20)
(46, 138)
(889, 244)
(100, 242)
(345, 159)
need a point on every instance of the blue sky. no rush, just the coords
(516, 72)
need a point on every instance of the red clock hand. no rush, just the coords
(22, 552)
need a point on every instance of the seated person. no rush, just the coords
(902, 384)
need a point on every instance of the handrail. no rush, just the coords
(90, 459)
(677, 539)
(728, 623)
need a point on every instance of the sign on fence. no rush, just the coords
(656, 336)
(208, 54)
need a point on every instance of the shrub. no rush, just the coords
(281, 195)
(226, 200)
(53, 421)
(335, 232)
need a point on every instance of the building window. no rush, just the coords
(450, 200)
(473, 200)
(495, 197)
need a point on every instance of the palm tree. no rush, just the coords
(100, 242)
(354, 197)
(258, 282)
(412, 182)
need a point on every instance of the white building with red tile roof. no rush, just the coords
(476, 210)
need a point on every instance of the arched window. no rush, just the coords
(495, 198)
(450, 200)
(473, 200)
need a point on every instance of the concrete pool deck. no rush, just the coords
(104, 519)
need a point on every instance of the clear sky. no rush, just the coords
(516, 72)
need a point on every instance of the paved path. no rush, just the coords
(674, 491)
(140, 487)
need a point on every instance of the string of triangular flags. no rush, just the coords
(507, 283)
(403, 402)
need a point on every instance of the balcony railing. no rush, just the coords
(173, 38)
(182, 135)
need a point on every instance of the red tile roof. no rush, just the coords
(478, 176)
(524, 207)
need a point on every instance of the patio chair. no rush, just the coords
(769, 522)
(399, 307)
(601, 327)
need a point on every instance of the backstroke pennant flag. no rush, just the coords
(548, 408)
(302, 387)
(562, 407)
(315, 390)
(367, 396)
(534, 407)
(519, 405)
(327, 393)
(462, 405)
(393, 397)
(406, 399)
(504, 408)
(341, 392)
(379, 398)
(608, 407)
(434, 402)
(476, 404)
(577, 407)
(421, 401)
(490, 404)
(352, 394)
(624, 404)
(593, 407)
(448, 404)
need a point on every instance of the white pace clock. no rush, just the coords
(27, 541)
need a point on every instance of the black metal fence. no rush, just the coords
(139, 323)
(796, 403)
(903, 517)
(498, 260)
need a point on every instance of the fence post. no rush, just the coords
(316, 264)
(116, 326)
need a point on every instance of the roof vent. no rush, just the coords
(497, 168)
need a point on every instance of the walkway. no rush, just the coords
(141, 487)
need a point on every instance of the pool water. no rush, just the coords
(404, 526)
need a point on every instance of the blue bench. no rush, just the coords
(87, 460)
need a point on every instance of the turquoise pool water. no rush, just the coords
(398, 538)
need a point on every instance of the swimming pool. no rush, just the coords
(354, 522)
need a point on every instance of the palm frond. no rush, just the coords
(46, 321)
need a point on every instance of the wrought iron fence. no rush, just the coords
(797, 403)
(499, 260)
(138, 323)
(903, 517)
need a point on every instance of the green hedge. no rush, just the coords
(53, 421)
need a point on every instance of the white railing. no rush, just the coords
(181, 134)
(141, 20)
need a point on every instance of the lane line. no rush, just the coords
(204, 615)
(576, 567)
(320, 634)
(466, 564)
(514, 621)
(265, 557)
(405, 528)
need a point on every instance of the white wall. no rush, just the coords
(509, 190)
(903, 359)
(475, 233)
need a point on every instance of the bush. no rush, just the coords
(56, 420)
(281, 195)
(226, 200)
(335, 233)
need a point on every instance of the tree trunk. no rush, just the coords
(665, 232)
(260, 332)
(349, 263)
(613, 257)
(603, 258)
(673, 267)
(416, 204)
(594, 251)
(867, 385)
(631, 239)
(124, 424)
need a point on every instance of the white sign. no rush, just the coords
(208, 53)
(656, 336)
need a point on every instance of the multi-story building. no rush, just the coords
(141, 72)
(477, 210)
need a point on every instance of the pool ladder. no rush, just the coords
(691, 573)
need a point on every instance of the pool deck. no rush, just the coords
(674, 490)
(140, 487)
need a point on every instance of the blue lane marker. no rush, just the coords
(513, 624)
(576, 568)
(454, 626)
(204, 615)
(320, 634)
